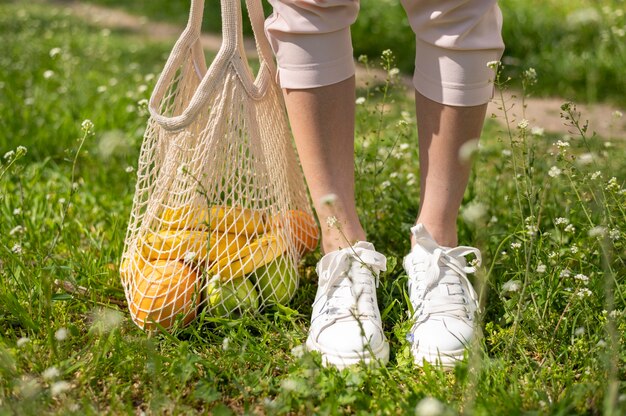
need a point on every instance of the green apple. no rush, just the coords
(277, 281)
(236, 296)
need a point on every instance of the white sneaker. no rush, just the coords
(444, 301)
(345, 325)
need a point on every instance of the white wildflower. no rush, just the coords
(493, 65)
(595, 175)
(429, 406)
(512, 286)
(541, 268)
(9, 155)
(54, 52)
(574, 249)
(289, 384)
(17, 248)
(614, 234)
(129, 169)
(474, 212)
(554, 172)
(331, 221)
(564, 273)
(617, 114)
(404, 146)
(583, 292)
(22, 341)
(537, 131)
(612, 184)
(516, 245)
(394, 71)
(59, 387)
(298, 351)
(583, 278)
(61, 334)
(225, 343)
(597, 231)
(393, 175)
(329, 199)
(522, 125)
(87, 126)
(17, 230)
(579, 331)
(50, 373)
(48, 74)
(468, 149)
(17, 211)
(506, 152)
(190, 256)
(360, 101)
(101, 88)
(21, 151)
(385, 184)
(570, 228)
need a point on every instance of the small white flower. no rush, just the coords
(61, 334)
(329, 199)
(585, 159)
(298, 351)
(574, 249)
(21, 150)
(22, 341)
(18, 229)
(17, 211)
(570, 228)
(9, 155)
(582, 278)
(404, 146)
(225, 343)
(579, 331)
(541, 268)
(17, 248)
(597, 231)
(468, 149)
(59, 387)
(522, 125)
(54, 52)
(429, 406)
(385, 184)
(516, 245)
(289, 384)
(561, 144)
(101, 89)
(493, 65)
(614, 234)
(554, 172)
(474, 212)
(129, 169)
(506, 152)
(512, 286)
(48, 74)
(595, 175)
(583, 292)
(331, 221)
(360, 100)
(61, 201)
(50, 373)
(87, 126)
(612, 184)
(190, 256)
(564, 273)
(394, 175)
(617, 114)
(537, 131)
(601, 344)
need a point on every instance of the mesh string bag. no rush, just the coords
(220, 217)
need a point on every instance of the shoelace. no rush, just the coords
(347, 282)
(426, 300)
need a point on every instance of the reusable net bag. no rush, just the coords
(220, 216)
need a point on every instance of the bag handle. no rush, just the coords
(231, 52)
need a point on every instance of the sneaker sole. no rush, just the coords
(376, 357)
(447, 360)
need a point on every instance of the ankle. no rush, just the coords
(444, 234)
(334, 239)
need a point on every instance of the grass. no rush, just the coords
(545, 211)
(577, 47)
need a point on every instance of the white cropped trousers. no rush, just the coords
(455, 41)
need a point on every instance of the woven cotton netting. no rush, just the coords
(220, 217)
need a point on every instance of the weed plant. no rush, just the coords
(548, 213)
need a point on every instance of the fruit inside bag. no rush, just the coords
(221, 216)
(227, 260)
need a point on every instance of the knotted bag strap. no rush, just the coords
(231, 53)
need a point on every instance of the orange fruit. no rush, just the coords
(304, 231)
(161, 290)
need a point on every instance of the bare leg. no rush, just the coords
(322, 120)
(442, 130)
